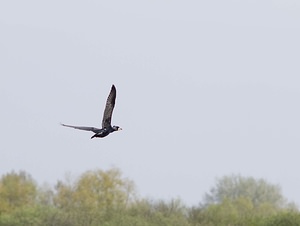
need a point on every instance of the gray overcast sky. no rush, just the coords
(204, 89)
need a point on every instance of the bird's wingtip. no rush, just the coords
(113, 87)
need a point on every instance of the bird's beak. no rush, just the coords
(119, 129)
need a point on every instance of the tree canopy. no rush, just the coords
(101, 197)
(16, 190)
(257, 191)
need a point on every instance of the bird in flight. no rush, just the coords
(106, 121)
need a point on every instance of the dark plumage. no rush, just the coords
(106, 121)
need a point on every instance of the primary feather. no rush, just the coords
(109, 107)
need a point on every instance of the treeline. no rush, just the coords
(106, 198)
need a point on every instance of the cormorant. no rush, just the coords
(106, 121)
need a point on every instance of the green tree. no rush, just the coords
(103, 189)
(289, 218)
(258, 191)
(242, 201)
(94, 197)
(16, 190)
(155, 213)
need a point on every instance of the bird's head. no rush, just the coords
(117, 128)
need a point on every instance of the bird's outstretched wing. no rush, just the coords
(95, 130)
(109, 107)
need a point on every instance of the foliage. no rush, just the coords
(258, 191)
(106, 198)
(16, 191)
(284, 219)
(95, 196)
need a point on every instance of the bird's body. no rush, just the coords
(106, 121)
